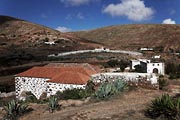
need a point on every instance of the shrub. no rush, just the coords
(31, 98)
(139, 68)
(173, 70)
(90, 88)
(162, 82)
(107, 90)
(116, 63)
(14, 110)
(72, 94)
(53, 104)
(164, 106)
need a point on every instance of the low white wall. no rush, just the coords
(134, 77)
(96, 51)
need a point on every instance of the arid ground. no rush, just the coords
(129, 106)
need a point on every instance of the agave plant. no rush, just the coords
(14, 109)
(53, 104)
(164, 106)
(109, 89)
(120, 85)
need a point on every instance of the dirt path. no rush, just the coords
(129, 106)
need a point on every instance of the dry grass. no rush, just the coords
(135, 36)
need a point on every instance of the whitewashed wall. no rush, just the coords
(96, 51)
(134, 77)
(37, 86)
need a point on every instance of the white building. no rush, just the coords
(50, 43)
(157, 57)
(156, 68)
(146, 49)
(134, 63)
(150, 67)
(52, 78)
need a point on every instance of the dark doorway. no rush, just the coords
(155, 70)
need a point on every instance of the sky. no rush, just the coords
(76, 15)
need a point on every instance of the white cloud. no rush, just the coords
(69, 17)
(168, 21)
(75, 2)
(80, 16)
(43, 15)
(172, 12)
(63, 29)
(132, 9)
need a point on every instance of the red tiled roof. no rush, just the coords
(70, 77)
(61, 74)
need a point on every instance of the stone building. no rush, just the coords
(52, 78)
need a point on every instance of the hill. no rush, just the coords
(21, 40)
(136, 36)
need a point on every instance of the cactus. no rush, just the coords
(53, 104)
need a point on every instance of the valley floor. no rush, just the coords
(128, 106)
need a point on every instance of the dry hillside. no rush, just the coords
(136, 36)
(22, 40)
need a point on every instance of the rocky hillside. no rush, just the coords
(136, 36)
(21, 40)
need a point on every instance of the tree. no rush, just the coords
(139, 68)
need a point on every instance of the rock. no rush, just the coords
(43, 96)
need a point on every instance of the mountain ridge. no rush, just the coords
(135, 36)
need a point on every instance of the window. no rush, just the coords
(157, 64)
(153, 64)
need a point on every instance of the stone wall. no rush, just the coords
(38, 86)
(34, 85)
(55, 87)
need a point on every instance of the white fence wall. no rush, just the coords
(96, 51)
(134, 77)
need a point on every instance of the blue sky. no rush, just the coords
(74, 15)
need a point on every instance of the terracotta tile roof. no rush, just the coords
(70, 77)
(61, 74)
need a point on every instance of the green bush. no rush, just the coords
(72, 94)
(140, 69)
(116, 63)
(162, 82)
(164, 106)
(53, 104)
(107, 90)
(173, 70)
(30, 98)
(90, 88)
(14, 110)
